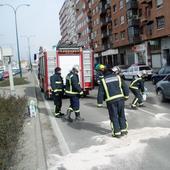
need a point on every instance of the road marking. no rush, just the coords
(152, 114)
(57, 132)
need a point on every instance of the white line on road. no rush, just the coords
(152, 114)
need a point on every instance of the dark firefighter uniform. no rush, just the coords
(57, 91)
(137, 87)
(116, 92)
(100, 93)
(73, 91)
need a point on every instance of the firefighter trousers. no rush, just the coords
(100, 95)
(138, 97)
(75, 104)
(117, 115)
(57, 97)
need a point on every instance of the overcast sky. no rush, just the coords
(40, 21)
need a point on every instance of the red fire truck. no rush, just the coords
(66, 58)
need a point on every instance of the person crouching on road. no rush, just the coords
(99, 75)
(116, 92)
(57, 91)
(137, 88)
(73, 91)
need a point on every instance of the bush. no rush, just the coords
(12, 111)
(17, 81)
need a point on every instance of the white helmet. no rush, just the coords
(144, 72)
(116, 69)
(75, 68)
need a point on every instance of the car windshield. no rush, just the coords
(144, 68)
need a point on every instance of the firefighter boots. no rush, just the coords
(68, 116)
(78, 117)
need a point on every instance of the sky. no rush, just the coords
(39, 22)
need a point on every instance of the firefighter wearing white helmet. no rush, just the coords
(137, 87)
(116, 70)
(73, 91)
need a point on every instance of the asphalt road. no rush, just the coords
(88, 144)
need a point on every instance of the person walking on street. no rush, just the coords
(116, 92)
(73, 91)
(137, 88)
(100, 94)
(57, 91)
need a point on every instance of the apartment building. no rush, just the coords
(67, 17)
(83, 23)
(124, 32)
(63, 18)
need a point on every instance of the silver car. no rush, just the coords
(163, 89)
(135, 69)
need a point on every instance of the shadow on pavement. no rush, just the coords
(88, 126)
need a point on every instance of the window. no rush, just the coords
(160, 22)
(115, 22)
(114, 8)
(116, 36)
(159, 3)
(121, 4)
(122, 35)
(122, 19)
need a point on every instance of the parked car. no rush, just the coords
(163, 89)
(1, 76)
(133, 70)
(163, 72)
(5, 74)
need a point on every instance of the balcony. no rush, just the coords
(146, 1)
(134, 39)
(108, 19)
(133, 22)
(102, 10)
(106, 47)
(107, 6)
(106, 34)
(131, 4)
(103, 22)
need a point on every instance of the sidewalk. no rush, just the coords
(30, 152)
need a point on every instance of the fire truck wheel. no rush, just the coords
(42, 90)
(46, 96)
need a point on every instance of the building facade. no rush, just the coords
(125, 32)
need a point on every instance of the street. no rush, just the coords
(88, 144)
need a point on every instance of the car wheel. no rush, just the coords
(161, 96)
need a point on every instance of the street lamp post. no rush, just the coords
(29, 48)
(16, 29)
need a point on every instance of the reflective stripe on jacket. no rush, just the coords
(114, 87)
(72, 84)
(56, 82)
(137, 84)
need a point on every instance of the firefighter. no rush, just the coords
(116, 70)
(73, 91)
(137, 88)
(57, 91)
(116, 92)
(100, 94)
